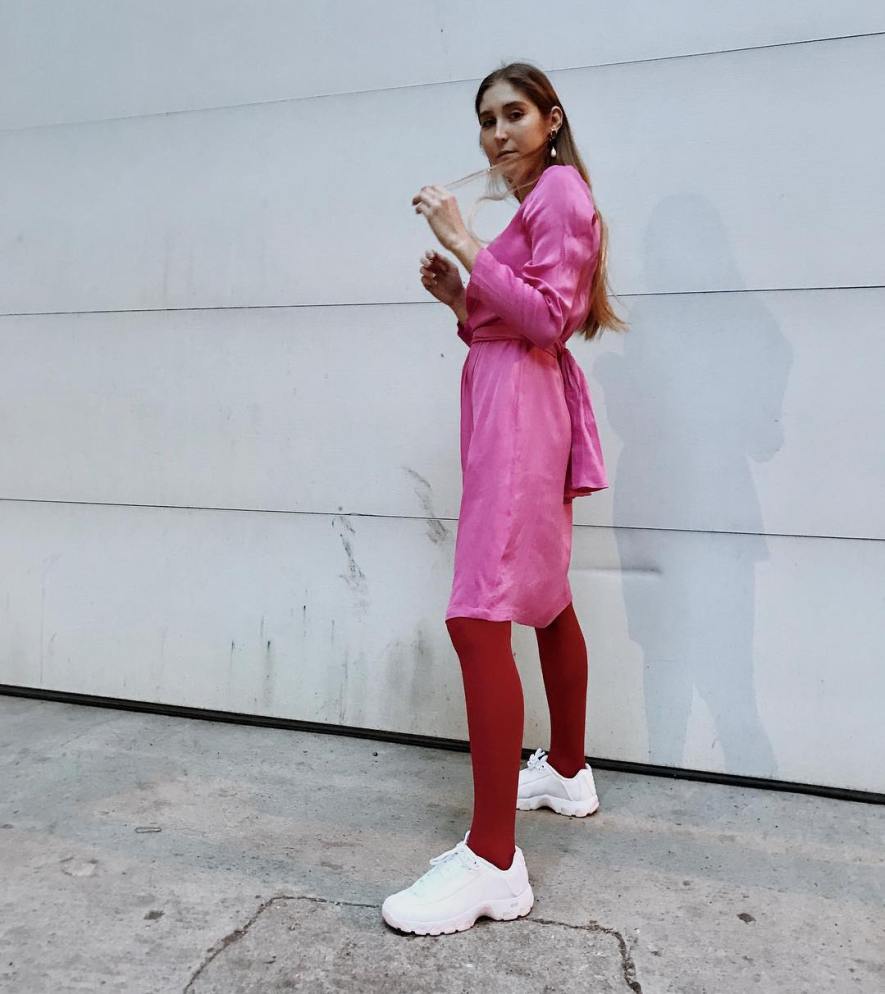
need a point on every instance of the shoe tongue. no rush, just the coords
(446, 866)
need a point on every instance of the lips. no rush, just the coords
(503, 154)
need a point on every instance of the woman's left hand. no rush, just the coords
(440, 207)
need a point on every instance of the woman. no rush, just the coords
(529, 445)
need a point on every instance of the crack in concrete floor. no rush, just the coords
(628, 967)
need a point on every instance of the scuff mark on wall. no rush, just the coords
(268, 666)
(354, 577)
(343, 689)
(409, 674)
(436, 530)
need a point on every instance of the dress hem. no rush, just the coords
(484, 614)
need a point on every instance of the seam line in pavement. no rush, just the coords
(628, 967)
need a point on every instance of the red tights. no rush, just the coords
(495, 715)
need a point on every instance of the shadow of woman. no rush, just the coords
(695, 395)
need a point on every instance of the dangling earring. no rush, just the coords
(552, 150)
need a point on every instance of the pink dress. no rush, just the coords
(529, 442)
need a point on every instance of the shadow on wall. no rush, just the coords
(696, 394)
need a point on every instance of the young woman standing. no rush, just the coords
(529, 445)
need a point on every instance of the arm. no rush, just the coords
(564, 238)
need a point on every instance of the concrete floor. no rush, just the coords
(143, 853)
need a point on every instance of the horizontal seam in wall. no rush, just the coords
(445, 82)
(423, 517)
(418, 303)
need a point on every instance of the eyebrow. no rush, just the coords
(510, 103)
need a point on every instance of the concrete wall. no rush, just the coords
(229, 416)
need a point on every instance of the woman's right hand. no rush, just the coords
(441, 278)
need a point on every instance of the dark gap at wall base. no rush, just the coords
(429, 742)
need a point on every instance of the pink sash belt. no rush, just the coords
(586, 469)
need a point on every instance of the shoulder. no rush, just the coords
(562, 179)
(564, 173)
(563, 189)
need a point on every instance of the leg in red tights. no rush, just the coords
(495, 713)
(563, 654)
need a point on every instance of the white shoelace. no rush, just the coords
(443, 856)
(536, 758)
(452, 859)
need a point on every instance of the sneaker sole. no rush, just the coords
(562, 806)
(505, 909)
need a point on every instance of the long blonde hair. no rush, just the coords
(535, 85)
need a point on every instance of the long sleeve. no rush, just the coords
(465, 332)
(563, 231)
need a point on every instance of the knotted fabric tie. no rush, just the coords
(585, 473)
(586, 467)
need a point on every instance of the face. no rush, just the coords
(510, 122)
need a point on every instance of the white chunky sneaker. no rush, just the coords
(460, 887)
(541, 786)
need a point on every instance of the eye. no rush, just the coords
(490, 120)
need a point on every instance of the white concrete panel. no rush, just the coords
(753, 169)
(752, 412)
(747, 412)
(312, 409)
(709, 647)
(713, 652)
(82, 61)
